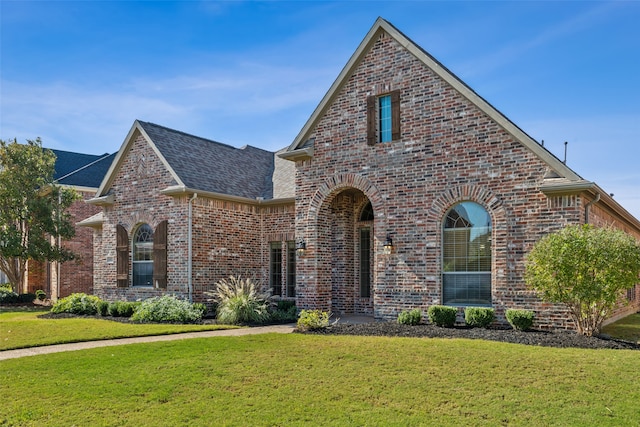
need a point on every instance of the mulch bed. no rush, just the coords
(560, 339)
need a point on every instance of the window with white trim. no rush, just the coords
(466, 255)
(143, 256)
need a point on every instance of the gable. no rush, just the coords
(197, 165)
(302, 146)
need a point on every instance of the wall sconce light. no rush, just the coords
(301, 247)
(388, 245)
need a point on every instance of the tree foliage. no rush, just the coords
(587, 269)
(32, 209)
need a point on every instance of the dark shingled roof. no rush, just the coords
(83, 170)
(210, 166)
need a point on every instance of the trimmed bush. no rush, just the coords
(480, 317)
(200, 306)
(26, 298)
(442, 315)
(103, 308)
(521, 320)
(41, 295)
(7, 296)
(313, 319)
(78, 303)
(122, 308)
(412, 317)
(240, 301)
(166, 309)
(284, 311)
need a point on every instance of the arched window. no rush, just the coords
(466, 256)
(143, 256)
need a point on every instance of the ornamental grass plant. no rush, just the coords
(239, 301)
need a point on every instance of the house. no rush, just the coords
(404, 189)
(83, 173)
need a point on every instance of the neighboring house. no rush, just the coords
(83, 173)
(410, 190)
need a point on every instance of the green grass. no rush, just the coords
(627, 328)
(23, 328)
(298, 379)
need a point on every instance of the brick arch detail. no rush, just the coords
(333, 185)
(483, 196)
(499, 225)
(141, 218)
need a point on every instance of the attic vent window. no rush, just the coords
(559, 202)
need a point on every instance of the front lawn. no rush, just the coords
(627, 328)
(296, 379)
(23, 328)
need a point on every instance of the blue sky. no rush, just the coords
(77, 74)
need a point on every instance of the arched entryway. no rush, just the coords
(347, 221)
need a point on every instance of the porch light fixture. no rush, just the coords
(388, 245)
(301, 247)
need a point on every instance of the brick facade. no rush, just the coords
(228, 237)
(449, 151)
(451, 147)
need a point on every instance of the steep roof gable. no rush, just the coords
(198, 164)
(301, 147)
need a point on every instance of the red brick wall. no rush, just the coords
(228, 237)
(77, 275)
(449, 151)
(136, 188)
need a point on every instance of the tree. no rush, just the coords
(585, 268)
(32, 209)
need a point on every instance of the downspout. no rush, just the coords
(588, 205)
(190, 248)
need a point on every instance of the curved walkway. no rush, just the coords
(34, 351)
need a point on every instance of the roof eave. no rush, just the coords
(181, 190)
(298, 154)
(564, 187)
(94, 221)
(107, 200)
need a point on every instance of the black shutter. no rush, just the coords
(122, 259)
(160, 256)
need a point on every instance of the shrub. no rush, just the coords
(103, 308)
(122, 308)
(313, 319)
(284, 311)
(520, 320)
(201, 307)
(442, 315)
(26, 298)
(480, 317)
(7, 296)
(239, 301)
(78, 303)
(166, 309)
(585, 268)
(412, 317)
(41, 295)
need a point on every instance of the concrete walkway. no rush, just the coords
(34, 351)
